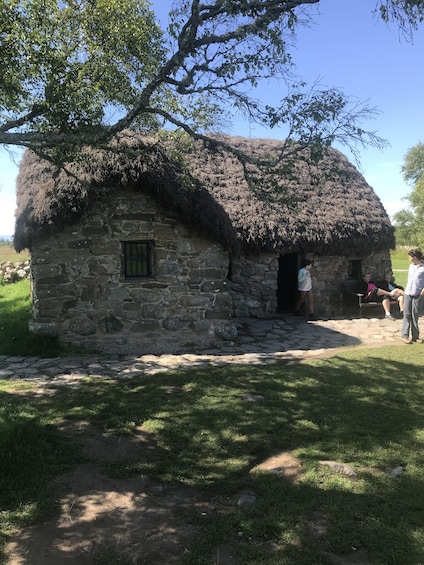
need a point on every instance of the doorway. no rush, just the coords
(288, 266)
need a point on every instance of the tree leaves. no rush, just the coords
(77, 72)
(410, 223)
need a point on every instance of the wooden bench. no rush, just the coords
(356, 298)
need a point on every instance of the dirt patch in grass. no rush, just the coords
(284, 464)
(104, 520)
(108, 520)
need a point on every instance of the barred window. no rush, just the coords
(355, 269)
(137, 258)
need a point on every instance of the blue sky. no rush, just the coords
(346, 48)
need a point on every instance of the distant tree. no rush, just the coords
(410, 222)
(405, 230)
(78, 72)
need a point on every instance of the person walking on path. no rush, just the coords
(413, 297)
(304, 286)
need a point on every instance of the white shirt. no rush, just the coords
(304, 280)
(415, 282)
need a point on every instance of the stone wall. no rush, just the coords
(80, 294)
(254, 285)
(254, 282)
(328, 275)
(14, 271)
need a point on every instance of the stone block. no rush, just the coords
(83, 326)
(53, 281)
(79, 244)
(193, 300)
(91, 293)
(145, 326)
(78, 268)
(118, 293)
(167, 268)
(50, 329)
(110, 325)
(227, 332)
(152, 311)
(172, 324)
(202, 327)
(214, 286)
(217, 314)
(207, 274)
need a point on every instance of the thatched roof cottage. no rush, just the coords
(133, 252)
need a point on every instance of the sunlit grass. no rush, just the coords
(8, 253)
(400, 265)
(15, 313)
(363, 408)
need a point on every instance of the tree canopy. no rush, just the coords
(410, 221)
(78, 72)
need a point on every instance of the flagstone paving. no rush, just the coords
(285, 338)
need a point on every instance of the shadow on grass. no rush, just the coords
(366, 412)
(32, 454)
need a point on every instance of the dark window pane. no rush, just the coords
(137, 258)
(355, 269)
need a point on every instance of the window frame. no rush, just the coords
(130, 255)
(355, 269)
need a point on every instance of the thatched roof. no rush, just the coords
(324, 209)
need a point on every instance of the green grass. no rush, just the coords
(15, 313)
(364, 408)
(400, 265)
(32, 454)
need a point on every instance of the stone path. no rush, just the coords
(286, 338)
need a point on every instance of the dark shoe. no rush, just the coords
(312, 317)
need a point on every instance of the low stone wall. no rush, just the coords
(14, 272)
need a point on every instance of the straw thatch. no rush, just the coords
(325, 209)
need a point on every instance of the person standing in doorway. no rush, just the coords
(413, 297)
(304, 287)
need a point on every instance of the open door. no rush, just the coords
(287, 282)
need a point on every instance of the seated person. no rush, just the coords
(374, 294)
(397, 292)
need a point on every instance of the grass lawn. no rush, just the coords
(364, 408)
(15, 312)
(400, 265)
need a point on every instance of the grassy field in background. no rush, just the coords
(7, 253)
(400, 265)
